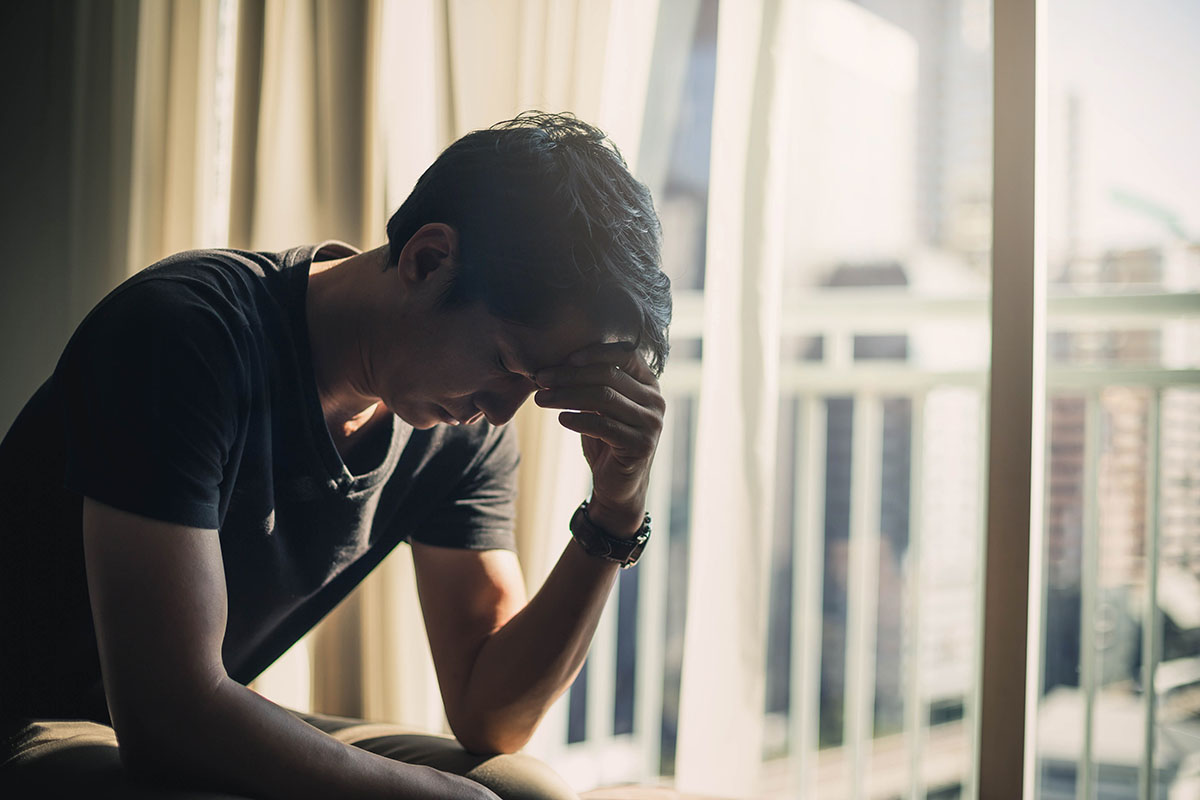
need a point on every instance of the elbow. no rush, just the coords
(500, 737)
(164, 733)
(143, 756)
(138, 760)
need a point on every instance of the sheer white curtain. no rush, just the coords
(719, 750)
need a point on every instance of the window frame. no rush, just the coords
(1013, 534)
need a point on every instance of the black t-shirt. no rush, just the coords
(187, 396)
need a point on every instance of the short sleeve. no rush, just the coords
(150, 385)
(479, 512)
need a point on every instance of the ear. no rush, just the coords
(430, 253)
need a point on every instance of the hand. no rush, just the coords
(614, 403)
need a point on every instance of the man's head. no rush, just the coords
(548, 219)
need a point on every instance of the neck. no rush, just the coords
(339, 310)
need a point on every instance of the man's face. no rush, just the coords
(459, 365)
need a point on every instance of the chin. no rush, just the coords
(419, 420)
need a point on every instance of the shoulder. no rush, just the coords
(218, 283)
(198, 303)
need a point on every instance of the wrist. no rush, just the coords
(618, 522)
(595, 541)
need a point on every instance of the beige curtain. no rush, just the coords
(178, 196)
(719, 750)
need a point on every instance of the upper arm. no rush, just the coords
(153, 388)
(159, 605)
(466, 596)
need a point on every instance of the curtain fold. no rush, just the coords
(306, 142)
(174, 136)
(719, 749)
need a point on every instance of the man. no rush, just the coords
(232, 440)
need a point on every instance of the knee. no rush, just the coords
(521, 777)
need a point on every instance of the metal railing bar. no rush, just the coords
(1121, 376)
(807, 591)
(914, 706)
(652, 616)
(901, 378)
(897, 379)
(602, 669)
(1150, 617)
(972, 702)
(1089, 575)
(862, 586)
(827, 309)
(889, 379)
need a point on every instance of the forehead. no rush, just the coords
(529, 349)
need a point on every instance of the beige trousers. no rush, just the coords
(78, 759)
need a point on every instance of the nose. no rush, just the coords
(499, 405)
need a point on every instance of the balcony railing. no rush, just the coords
(940, 642)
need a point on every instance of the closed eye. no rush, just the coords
(504, 368)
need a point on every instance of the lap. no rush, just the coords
(72, 758)
(513, 777)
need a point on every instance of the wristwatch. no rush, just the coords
(596, 542)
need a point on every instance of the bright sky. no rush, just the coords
(1136, 68)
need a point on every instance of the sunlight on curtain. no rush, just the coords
(720, 738)
(181, 129)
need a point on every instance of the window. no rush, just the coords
(875, 585)
(1120, 657)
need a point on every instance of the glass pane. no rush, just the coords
(1120, 662)
(884, 358)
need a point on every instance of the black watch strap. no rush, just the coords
(596, 542)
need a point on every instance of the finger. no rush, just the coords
(599, 399)
(600, 351)
(632, 443)
(622, 354)
(602, 374)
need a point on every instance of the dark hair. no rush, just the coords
(548, 218)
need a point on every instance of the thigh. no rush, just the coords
(512, 777)
(73, 758)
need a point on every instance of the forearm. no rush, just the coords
(522, 668)
(238, 741)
